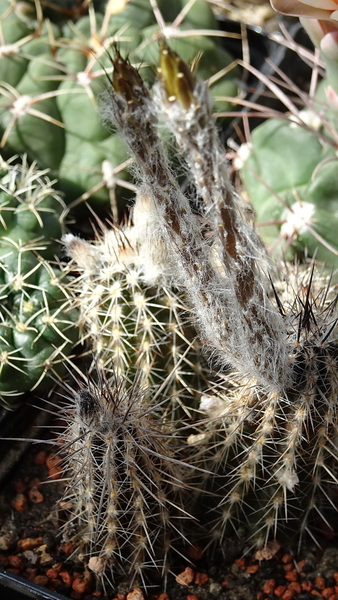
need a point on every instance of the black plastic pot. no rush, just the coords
(14, 587)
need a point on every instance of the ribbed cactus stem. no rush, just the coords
(125, 479)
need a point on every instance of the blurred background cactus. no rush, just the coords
(53, 70)
(289, 166)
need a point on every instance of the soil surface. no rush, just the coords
(31, 547)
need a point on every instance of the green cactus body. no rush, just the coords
(292, 190)
(37, 322)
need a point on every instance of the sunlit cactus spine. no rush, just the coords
(272, 429)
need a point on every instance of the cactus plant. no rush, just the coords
(52, 75)
(133, 322)
(272, 434)
(292, 191)
(126, 484)
(37, 322)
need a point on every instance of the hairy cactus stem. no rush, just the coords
(224, 276)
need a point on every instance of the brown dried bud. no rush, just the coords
(126, 80)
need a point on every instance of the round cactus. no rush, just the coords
(37, 325)
(53, 74)
(292, 189)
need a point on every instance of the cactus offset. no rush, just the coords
(133, 322)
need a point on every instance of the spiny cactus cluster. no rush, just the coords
(265, 456)
(37, 322)
(126, 484)
(134, 324)
(271, 436)
(277, 448)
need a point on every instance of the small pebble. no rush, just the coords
(163, 596)
(301, 564)
(68, 547)
(286, 558)
(41, 580)
(279, 591)
(288, 594)
(28, 543)
(240, 562)
(20, 503)
(306, 586)
(135, 594)
(192, 597)
(327, 592)
(186, 577)
(291, 576)
(252, 569)
(51, 574)
(320, 583)
(54, 465)
(81, 585)
(16, 562)
(31, 556)
(66, 577)
(294, 585)
(201, 578)
(269, 586)
(96, 564)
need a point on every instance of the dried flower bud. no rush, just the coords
(176, 77)
(126, 80)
